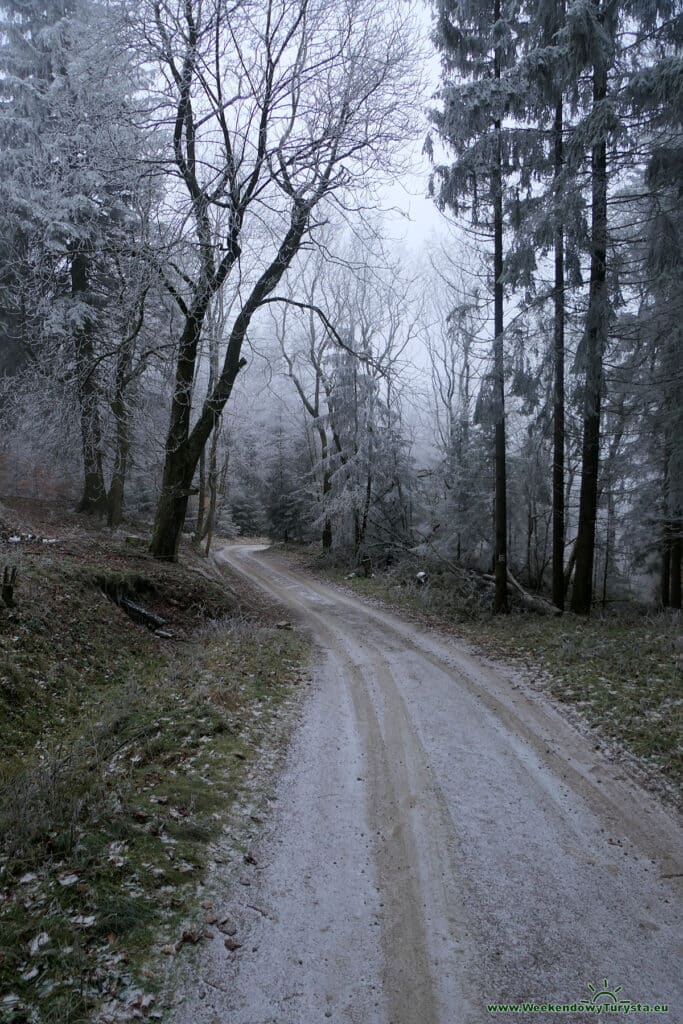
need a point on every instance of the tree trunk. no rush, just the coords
(172, 506)
(609, 543)
(212, 483)
(94, 496)
(665, 579)
(558, 395)
(569, 571)
(365, 513)
(500, 602)
(676, 554)
(183, 448)
(219, 487)
(202, 498)
(595, 339)
(118, 479)
(327, 487)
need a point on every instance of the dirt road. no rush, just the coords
(442, 839)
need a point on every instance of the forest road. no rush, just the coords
(442, 839)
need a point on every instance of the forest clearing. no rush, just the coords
(341, 510)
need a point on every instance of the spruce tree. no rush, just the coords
(477, 42)
(68, 161)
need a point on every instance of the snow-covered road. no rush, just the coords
(442, 839)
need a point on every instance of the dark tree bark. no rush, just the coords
(212, 487)
(500, 603)
(675, 570)
(558, 389)
(595, 339)
(184, 447)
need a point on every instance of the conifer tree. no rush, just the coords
(68, 161)
(477, 42)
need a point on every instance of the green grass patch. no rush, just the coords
(122, 757)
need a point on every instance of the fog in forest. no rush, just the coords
(399, 282)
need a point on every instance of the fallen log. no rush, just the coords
(533, 602)
(139, 614)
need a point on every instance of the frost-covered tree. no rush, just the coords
(462, 493)
(271, 111)
(71, 216)
(477, 42)
(342, 341)
(613, 41)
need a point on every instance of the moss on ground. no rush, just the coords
(123, 753)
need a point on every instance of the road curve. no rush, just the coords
(442, 839)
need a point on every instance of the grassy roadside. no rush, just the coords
(622, 672)
(123, 752)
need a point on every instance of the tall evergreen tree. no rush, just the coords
(609, 39)
(477, 43)
(68, 159)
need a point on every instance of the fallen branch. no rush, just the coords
(139, 614)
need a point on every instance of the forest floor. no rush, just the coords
(620, 673)
(126, 755)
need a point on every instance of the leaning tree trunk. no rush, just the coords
(211, 486)
(94, 496)
(183, 448)
(595, 339)
(212, 483)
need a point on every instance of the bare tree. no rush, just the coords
(343, 343)
(273, 109)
